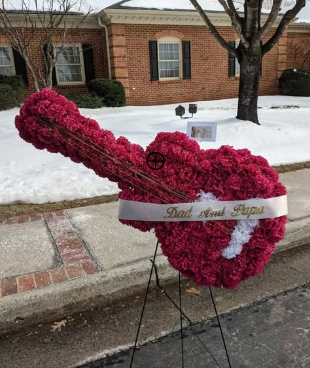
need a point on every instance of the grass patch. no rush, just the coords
(285, 107)
(16, 209)
(292, 167)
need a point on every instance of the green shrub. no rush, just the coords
(7, 97)
(87, 101)
(112, 91)
(18, 86)
(295, 82)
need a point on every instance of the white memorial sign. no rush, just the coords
(202, 131)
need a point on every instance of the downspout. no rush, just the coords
(107, 44)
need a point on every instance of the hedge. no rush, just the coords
(86, 101)
(295, 82)
(111, 91)
(16, 91)
(8, 98)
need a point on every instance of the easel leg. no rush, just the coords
(220, 326)
(181, 320)
(143, 308)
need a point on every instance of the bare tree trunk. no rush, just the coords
(35, 81)
(250, 66)
(33, 74)
(49, 78)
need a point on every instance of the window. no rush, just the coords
(237, 65)
(69, 66)
(233, 64)
(169, 58)
(6, 60)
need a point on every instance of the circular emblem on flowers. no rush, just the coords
(155, 160)
(208, 252)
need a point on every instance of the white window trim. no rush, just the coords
(237, 65)
(171, 40)
(9, 46)
(82, 82)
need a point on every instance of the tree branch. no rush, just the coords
(270, 20)
(235, 20)
(287, 18)
(213, 30)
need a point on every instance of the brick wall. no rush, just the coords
(95, 37)
(298, 47)
(209, 65)
(118, 54)
(282, 53)
(129, 50)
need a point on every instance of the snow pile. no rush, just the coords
(33, 176)
(211, 5)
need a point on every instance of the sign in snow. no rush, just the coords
(202, 131)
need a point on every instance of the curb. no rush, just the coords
(297, 234)
(105, 287)
(77, 295)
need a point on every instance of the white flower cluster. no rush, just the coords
(241, 233)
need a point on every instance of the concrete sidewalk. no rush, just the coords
(57, 263)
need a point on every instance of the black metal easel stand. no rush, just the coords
(182, 317)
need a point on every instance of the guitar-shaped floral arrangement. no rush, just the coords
(212, 253)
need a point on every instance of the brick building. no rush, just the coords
(160, 56)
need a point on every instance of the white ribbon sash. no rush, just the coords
(256, 208)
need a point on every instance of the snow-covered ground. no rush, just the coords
(33, 176)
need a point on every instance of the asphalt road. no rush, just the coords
(275, 333)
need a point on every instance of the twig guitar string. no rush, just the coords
(65, 132)
(122, 162)
(74, 145)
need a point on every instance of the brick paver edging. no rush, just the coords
(75, 258)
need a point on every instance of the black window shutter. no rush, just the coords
(231, 61)
(20, 66)
(89, 66)
(54, 78)
(187, 60)
(154, 60)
